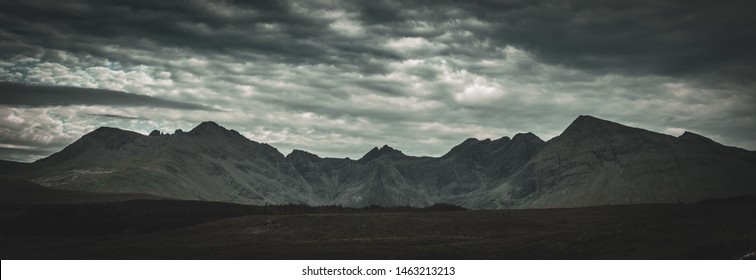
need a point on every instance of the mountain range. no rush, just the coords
(593, 162)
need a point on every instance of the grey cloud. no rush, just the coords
(271, 30)
(16, 94)
(113, 116)
(395, 89)
(24, 155)
(266, 62)
(678, 38)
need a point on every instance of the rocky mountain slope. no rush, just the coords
(596, 162)
(206, 163)
(593, 162)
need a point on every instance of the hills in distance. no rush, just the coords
(593, 162)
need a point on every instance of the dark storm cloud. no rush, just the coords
(308, 74)
(14, 94)
(263, 30)
(635, 37)
(639, 37)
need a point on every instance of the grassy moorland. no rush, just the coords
(171, 229)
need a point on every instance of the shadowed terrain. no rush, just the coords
(593, 162)
(18, 191)
(600, 190)
(154, 229)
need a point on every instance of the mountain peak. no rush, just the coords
(387, 149)
(297, 154)
(109, 134)
(592, 126)
(302, 152)
(99, 140)
(208, 126)
(375, 153)
(466, 147)
(585, 120)
(527, 137)
(690, 136)
(108, 130)
(213, 132)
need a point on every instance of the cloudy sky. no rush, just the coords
(339, 77)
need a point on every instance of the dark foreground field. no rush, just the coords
(161, 229)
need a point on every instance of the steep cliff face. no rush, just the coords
(593, 162)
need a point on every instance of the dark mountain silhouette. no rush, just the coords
(383, 151)
(206, 163)
(593, 162)
(601, 162)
